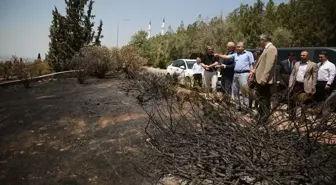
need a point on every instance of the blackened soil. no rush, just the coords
(60, 132)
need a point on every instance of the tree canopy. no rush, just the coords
(71, 32)
(298, 23)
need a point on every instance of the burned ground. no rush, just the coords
(60, 132)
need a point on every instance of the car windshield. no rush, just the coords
(190, 63)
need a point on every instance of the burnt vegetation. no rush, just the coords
(209, 142)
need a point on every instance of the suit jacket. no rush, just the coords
(228, 71)
(284, 72)
(310, 77)
(265, 68)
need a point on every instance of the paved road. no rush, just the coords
(155, 70)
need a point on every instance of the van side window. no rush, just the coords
(331, 55)
(283, 54)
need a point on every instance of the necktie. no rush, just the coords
(290, 65)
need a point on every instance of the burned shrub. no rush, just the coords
(93, 60)
(205, 142)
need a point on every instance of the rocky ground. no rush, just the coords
(60, 132)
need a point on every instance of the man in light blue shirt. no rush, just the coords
(243, 69)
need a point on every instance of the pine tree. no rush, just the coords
(99, 34)
(38, 56)
(181, 27)
(89, 24)
(57, 51)
(170, 30)
(70, 33)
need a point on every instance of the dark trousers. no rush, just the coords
(297, 98)
(198, 80)
(252, 99)
(282, 91)
(321, 92)
(226, 83)
(263, 93)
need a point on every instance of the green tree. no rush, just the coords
(139, 40)
(71, 32)
(287, 23)
(282, 37)
(170, 30)
(181, 28)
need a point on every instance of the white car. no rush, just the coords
(182, 68)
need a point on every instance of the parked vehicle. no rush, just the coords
(182, 68)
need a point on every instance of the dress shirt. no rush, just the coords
(243, 61)
(326, 72)
(301, 72)
(197, 68)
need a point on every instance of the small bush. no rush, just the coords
(115, 57)
(41, 68)
(131, 60)
(22, 70)
(83, 67)
(93, 60)
(6, 70)
(101, 59)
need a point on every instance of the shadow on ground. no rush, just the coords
(60, 132)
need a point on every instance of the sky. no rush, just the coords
(25, 24)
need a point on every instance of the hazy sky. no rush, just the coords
(25, 23)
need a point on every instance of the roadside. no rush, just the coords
(60, 132)
(155, 70)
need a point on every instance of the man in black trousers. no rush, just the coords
(227, 70)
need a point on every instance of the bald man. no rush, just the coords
(302, 83)
(227, 69)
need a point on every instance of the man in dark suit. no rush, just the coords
(227, 69)
(285, 69)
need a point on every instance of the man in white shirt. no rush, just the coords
(197, 71)
(325, 77)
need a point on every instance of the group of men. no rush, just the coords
(242, 71)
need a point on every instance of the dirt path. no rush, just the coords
(63, 133)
